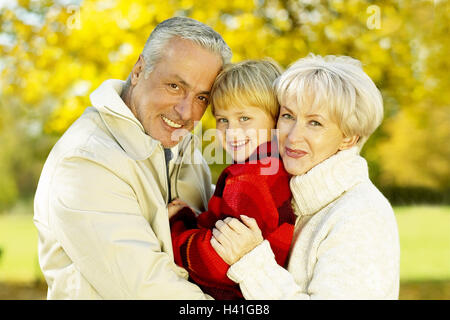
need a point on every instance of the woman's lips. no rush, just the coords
(294, 153)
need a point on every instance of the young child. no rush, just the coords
(256, 185)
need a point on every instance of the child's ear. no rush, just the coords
(348, 142)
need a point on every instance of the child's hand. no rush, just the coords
(175, 206)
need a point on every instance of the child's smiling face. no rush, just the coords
(242, 129)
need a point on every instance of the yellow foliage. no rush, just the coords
(403, 46)
(65, 115)
(417, 151)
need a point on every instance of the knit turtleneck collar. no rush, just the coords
(325, 182)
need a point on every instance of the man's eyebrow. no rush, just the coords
(182, 81)
(187, 85)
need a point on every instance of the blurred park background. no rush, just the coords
(54, 53)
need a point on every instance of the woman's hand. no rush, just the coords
(232, 239)
(175, 206)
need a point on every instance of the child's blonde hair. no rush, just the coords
(248, 82)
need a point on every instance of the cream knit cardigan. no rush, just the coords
(345, 245)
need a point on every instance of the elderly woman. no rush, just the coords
(346, 242)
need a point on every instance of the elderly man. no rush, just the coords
(101, 202)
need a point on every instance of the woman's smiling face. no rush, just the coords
(242, 129)
(307, 136)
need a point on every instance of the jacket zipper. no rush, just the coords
(166, 180)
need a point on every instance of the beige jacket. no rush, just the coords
(101, 207)
(345, 246)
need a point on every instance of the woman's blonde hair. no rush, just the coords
(249, 83)
(340, 84)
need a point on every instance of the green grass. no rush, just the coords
(424, 240)
(18, 242)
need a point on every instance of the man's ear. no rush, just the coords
(138, 70)
(348, 142)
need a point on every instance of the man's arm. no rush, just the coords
(97, 220)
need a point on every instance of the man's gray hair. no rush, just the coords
(184, 28)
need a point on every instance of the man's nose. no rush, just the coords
(184, 108)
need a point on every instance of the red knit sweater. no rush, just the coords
(258, 188)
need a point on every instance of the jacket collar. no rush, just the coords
(328, 180)
(122, 123)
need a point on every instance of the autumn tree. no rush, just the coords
(54, 53)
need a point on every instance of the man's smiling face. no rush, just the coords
(176, 92)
